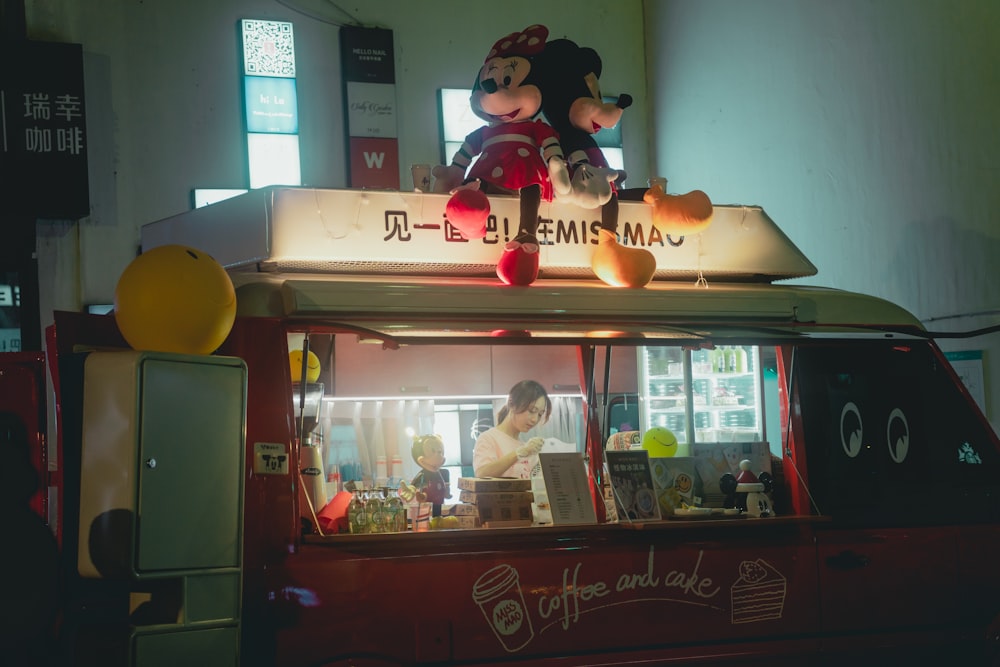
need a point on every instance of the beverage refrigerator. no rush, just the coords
(702, 395)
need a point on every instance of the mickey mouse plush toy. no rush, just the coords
(518, 153)
(573, 105)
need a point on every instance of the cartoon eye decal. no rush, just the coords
(897, 435)
(851, 429)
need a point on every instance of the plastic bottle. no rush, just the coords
(718, 360)
(395, 469)
(381, 472)
(373, 507)
(356, 515)
(333, 483)
(741, 360)
(395, 514)
(730, 359)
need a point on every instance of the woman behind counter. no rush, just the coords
(499, 451)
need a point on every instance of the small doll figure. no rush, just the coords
(432, 482)
(747, 492)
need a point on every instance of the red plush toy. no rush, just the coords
(517, 153)
(573, 105)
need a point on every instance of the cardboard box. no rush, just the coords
(489, 513)
(515, 506)
(676, 482)
(467, 521)
(509, 498)
(493, 484)
(460, 509)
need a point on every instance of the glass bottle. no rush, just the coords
(373, 507)
(357, 517)
(394, 512)
(730, 359)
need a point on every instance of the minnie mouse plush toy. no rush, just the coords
(517, 153)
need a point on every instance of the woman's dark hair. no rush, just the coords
(522, 396)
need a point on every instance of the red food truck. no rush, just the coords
(199, 532)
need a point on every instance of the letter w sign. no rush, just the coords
(374, 163)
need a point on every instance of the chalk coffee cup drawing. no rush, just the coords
(498, 594)
(421, 177)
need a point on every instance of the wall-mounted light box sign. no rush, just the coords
(274, 159)
(268, 48)
(43, 129)
(271, 105)
(457, 121)
(368, 65)
(10, 312)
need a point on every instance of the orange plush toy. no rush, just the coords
(518, 153)
(678, 215)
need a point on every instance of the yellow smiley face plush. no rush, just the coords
(659, 442)
(175, 298)
(295, 366)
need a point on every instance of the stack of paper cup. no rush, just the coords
(381, 471)
(333, 486)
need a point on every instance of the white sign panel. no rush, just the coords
(371, 109)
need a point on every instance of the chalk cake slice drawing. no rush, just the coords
(759, 593)
(498, 594)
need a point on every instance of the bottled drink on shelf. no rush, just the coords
(357, 517)
(718, 360)
(741, 360)
(395, 513)
(373, 508)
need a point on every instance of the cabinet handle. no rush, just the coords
(150, 463)
(847, 560)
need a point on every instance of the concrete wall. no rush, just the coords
(164, 105)
(868, 130)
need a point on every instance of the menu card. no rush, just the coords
(632, 484)
(567, 487)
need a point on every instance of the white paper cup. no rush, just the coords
(658, 180)
(498, 594)
(421, 177)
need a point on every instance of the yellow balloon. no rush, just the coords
(295, 366)
(174, 298)
(659, 442)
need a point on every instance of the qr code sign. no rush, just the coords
(268, 48)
